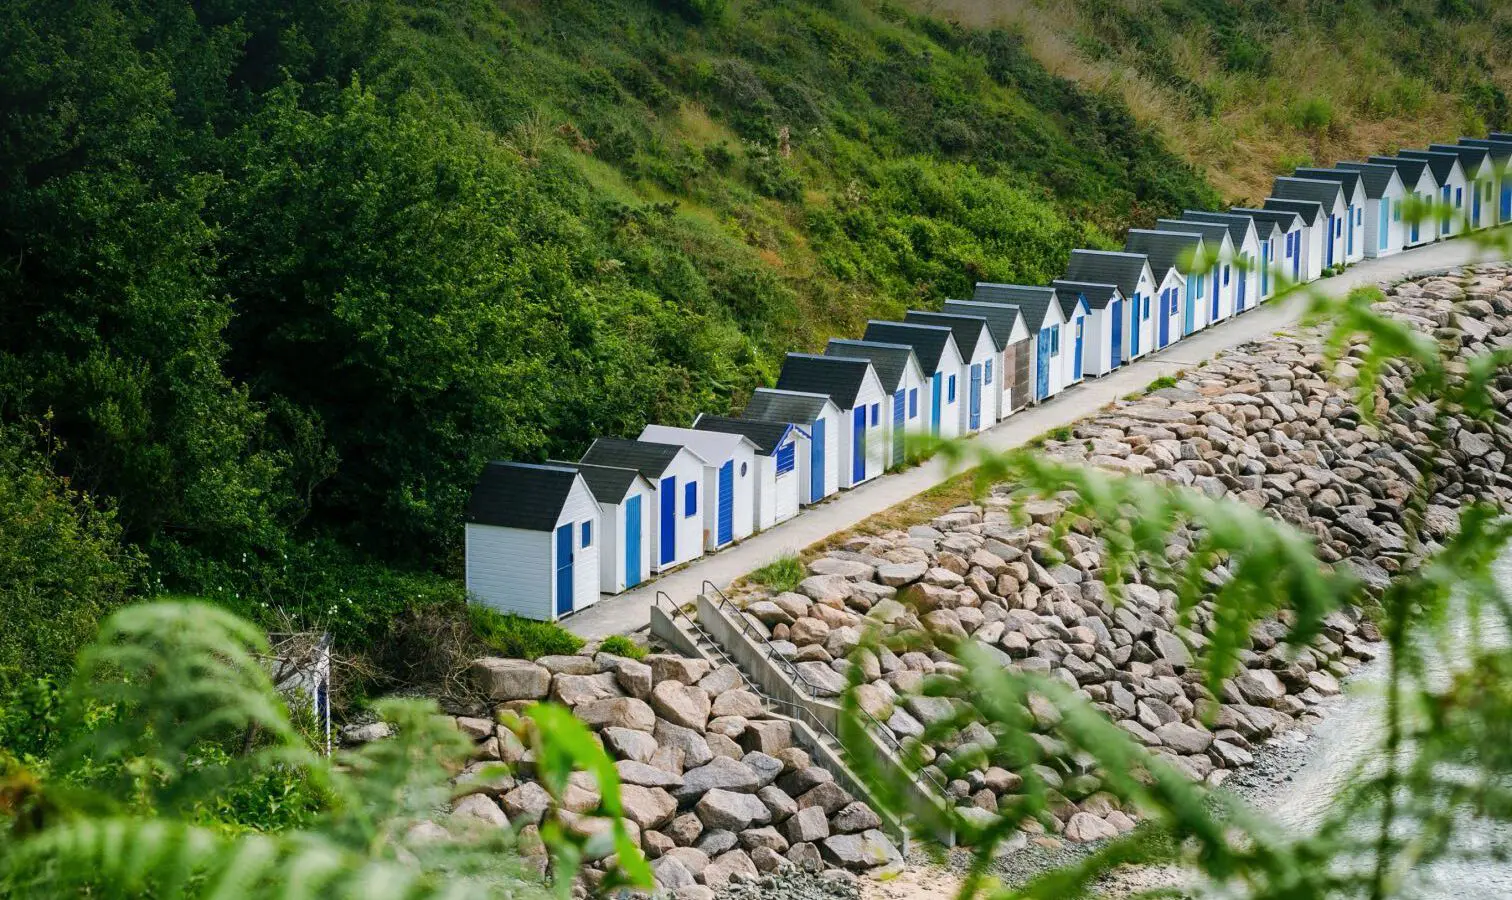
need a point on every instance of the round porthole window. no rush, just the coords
(742, 470)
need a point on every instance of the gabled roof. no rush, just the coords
(520, 495)
(1283, 219)
(838, 376)
(1501, 151)
(1096, 296)
(609, 484)
(1410, 169)
(1032, 301)
(793, 407)
(890, 360)
(1108, 267)
(713, 446)
(1317, 190)
(1470, 157)
(1310, 211)
(1349, 179)
(649, 458)
(1213, 233)
(928, 341)
(1376, 177)
(1500, 135)
(1239, 225)
(1005, 323)
(967, 329)
(1166, 249)
(1441, 164)
(767, 436)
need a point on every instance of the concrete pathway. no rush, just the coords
(627, 612)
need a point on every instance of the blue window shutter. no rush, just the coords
(950, 390)
(785, 458)
(875, 414)
(690, 499)
(988, 374)
(913, 403)
(587, 534)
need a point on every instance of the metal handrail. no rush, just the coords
(808, 687)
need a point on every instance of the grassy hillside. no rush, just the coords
(277, 279)
(1247, 90)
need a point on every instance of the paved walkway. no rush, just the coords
(628, 612)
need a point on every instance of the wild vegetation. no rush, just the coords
(1247, 91)
(279, 278)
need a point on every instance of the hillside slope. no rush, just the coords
(1245, 91)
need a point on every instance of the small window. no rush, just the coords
(1201, 287)
(785, 458)
(1055, 340)
(587, 535)
(987, 372)
(876, 414)
(690, 500)
(1225, 276)
(950, 390)
(1396, 211)
(1360, 216)
(913, 403)
(743, 470)
(1459, 197)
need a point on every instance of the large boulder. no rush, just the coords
(681, 704)
(616, 712)
(731, 811)
(721, 773)
(502, 680)
(860, 852)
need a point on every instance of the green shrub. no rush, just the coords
(1161, 383)
(781, 574)
(619, 645)
(1312, 114)
(519, 638)
(1288, 163)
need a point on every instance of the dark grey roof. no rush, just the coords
(1107, 266)
(838, 377)
(927, 341)
(1283, 219)
(1377, 177)
(890, 360)
(966, 328)
(1000, 318)
(1500, 135)
(767, 436)
(1348, 178)
(520, 495)
(1441, 164)
(1238, 225)
(1500, 151)
(1213, 233)
(1317, 190)
(1032, 301)
(1166, 249)
(1469, 157)
(649, 458)
(1310, 211)
(609, 484)
(791, 407)
(1410, 169)
(1096, 295)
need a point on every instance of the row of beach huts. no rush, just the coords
(546, 540)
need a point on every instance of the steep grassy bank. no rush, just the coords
(1245, 91)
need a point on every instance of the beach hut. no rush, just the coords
(729, 508)
(1452, 186)
(1251, 256)
(902, 380)
(531, 541)
(1381, 232)
(1286, 255)
(1481, 181)
(676, 475)
(1011, 338)
(1178, 260)
(978, 376)
(1501, 165)
(857, 391)
(625, 502)
(1314, 233)
(1056, 338)
(1420, 184)
(776, 485)
(940, 361)
(818, 420)
(1135, 279)
(1222, 294)
(1106, 322)
(1355, 201)
(1335, 208)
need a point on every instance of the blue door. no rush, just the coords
(1115, 309)
(1265, 269)
(1350, 231)
(1475, 206)
(1164, 328)
(1243, 283)
(1135, 325)
(725, 527)
(858, 445)
(1213, 306)
(816, 462)
(1445, 221)
(1415, 225)
(564, 570)
(899, 396)
(1189, 315)
(1383, 225)
(1081, 344)
(668, 494)
(975, 397)
(1042, 366)
(1296, 256)
(1329, 256)
(934, 404)
(1506, 202)
(633, 541)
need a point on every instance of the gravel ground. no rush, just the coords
(794, 884)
